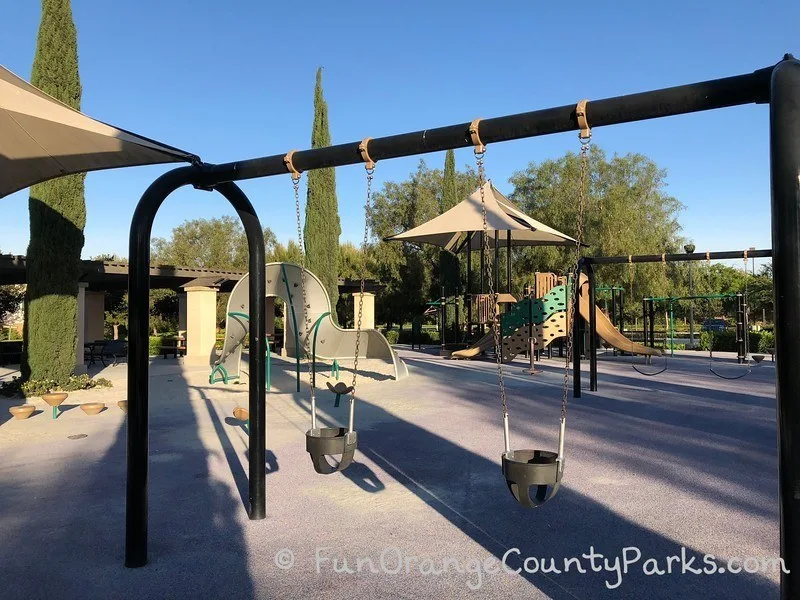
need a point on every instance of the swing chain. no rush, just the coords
(584, 140)
(630, 274)
(306, 316)
(370, 168)
(480, 151)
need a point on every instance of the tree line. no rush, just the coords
(627, 212)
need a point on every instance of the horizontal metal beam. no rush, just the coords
(695, 256)
(707, 95)
(700, 297)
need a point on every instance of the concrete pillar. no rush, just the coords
(201, 324)
(367, 310)
(182, 311)
(80, 367)
(95, 316)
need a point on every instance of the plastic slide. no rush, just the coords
(606, 329)
(283, 281)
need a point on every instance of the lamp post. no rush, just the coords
(689, 249)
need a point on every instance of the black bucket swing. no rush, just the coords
(326, 443)
(533, 476)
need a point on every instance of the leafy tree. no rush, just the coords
(409, 272)
(57, 216)
(289, 253)
(627, 212)
(449, 269)
(163, 310)
(11, 297)
(351, 262)
(115, 303)
(322, 226)
(216, 243)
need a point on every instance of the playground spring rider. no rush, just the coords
(648, 359)
(322, 442)
(526, 469)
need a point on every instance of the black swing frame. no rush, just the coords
(777, 85)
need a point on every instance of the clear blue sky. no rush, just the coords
(235, 80)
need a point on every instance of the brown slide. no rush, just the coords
(606, 329)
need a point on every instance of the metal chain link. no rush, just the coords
(367, 208)
(306, 317)
(492, 295)
(575, 274)
(630, 274)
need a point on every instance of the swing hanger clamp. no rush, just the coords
(475, 138)
(289, 164)
(585, 133)
(363, 150)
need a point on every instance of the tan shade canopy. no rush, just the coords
(450, 229)
(42, 138)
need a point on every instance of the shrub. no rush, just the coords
(723, 341)
(156, 341)
(766, 342)
(393, 336)
(13, 335)
(37, 387)
(425, 337)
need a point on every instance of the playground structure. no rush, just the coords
(485, 220)
(778, 85)
(543, 318)
(324, 339)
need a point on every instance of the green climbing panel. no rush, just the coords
(536, 311)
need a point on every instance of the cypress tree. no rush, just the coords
(57, 216)
(322, 227)
(449, 267)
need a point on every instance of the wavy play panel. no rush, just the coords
(283, 281)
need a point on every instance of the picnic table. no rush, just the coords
(105, 349)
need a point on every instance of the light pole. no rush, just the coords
(689, 249)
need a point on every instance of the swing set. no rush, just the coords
(777, 85)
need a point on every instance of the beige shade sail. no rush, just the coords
(42, 138)
(450, 230)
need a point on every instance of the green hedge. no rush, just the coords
(725, 341)
(427, 336)
(766, 342)
(156, 341)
